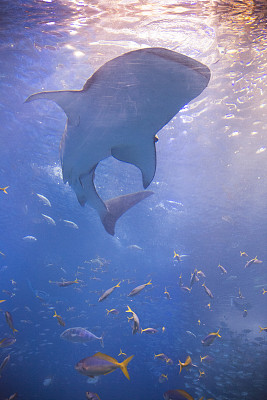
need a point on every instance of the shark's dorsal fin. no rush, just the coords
(142, 156)
(65, 99)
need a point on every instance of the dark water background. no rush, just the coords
(209, 204)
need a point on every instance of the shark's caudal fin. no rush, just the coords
(118, 206)
(64, 98)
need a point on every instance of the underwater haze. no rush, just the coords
(193, 252)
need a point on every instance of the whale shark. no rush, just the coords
(118, 113)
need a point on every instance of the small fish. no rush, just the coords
(49, 219)
(207, 359)
(47, 381)
(92, 396)
(240, 296)
(186, 289)
(263, 329)
(112, 311)
(163, 378)
(64, 283)
(200, 273)
(149, 330)
(245, 313)
(44, 200)
(160, 356)
(253, 261)
(135, 319)
(180, 281)
(138, 289)
(80, 335)
(208, 340)
(4, 363)
(177, 394)
(208, 291)
(108, 292)
(4, 189)
(176, 256)
(163, 329)
(59, 319)
(191, 333)
(187, 363)
(201, 374)
(29, 238)
(12, 397)
(9, 321)
(2, 254)
(70, 224)
(134, 247)
(101, 364)
(7, 341)
(121, 353)
(167, 294)
(222, 269)
(194, 278)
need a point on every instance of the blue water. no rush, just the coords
(209, 204)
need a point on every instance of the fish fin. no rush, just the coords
(117, 206)
(129, 310)
(66, 99)
(105, 357)
(86, 192)
(181, 366)
(123, 366)
(142, 156)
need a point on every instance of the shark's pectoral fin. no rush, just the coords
(66, 99)
(118, 206)
(142, 156)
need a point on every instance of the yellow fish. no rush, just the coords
(101, 364)
(4, 189)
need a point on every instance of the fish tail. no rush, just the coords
(108, 311)
(142, 330)
(149, 283)
(116, 207)
(102, 341)
(129, 310)
(76, 280)
(261, 329)
(14, 330)
(123, 366)
(4, 189)
(181, 366)
(55, 315)
(118, 284)
(217, 333)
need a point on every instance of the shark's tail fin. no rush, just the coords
(118, 206)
